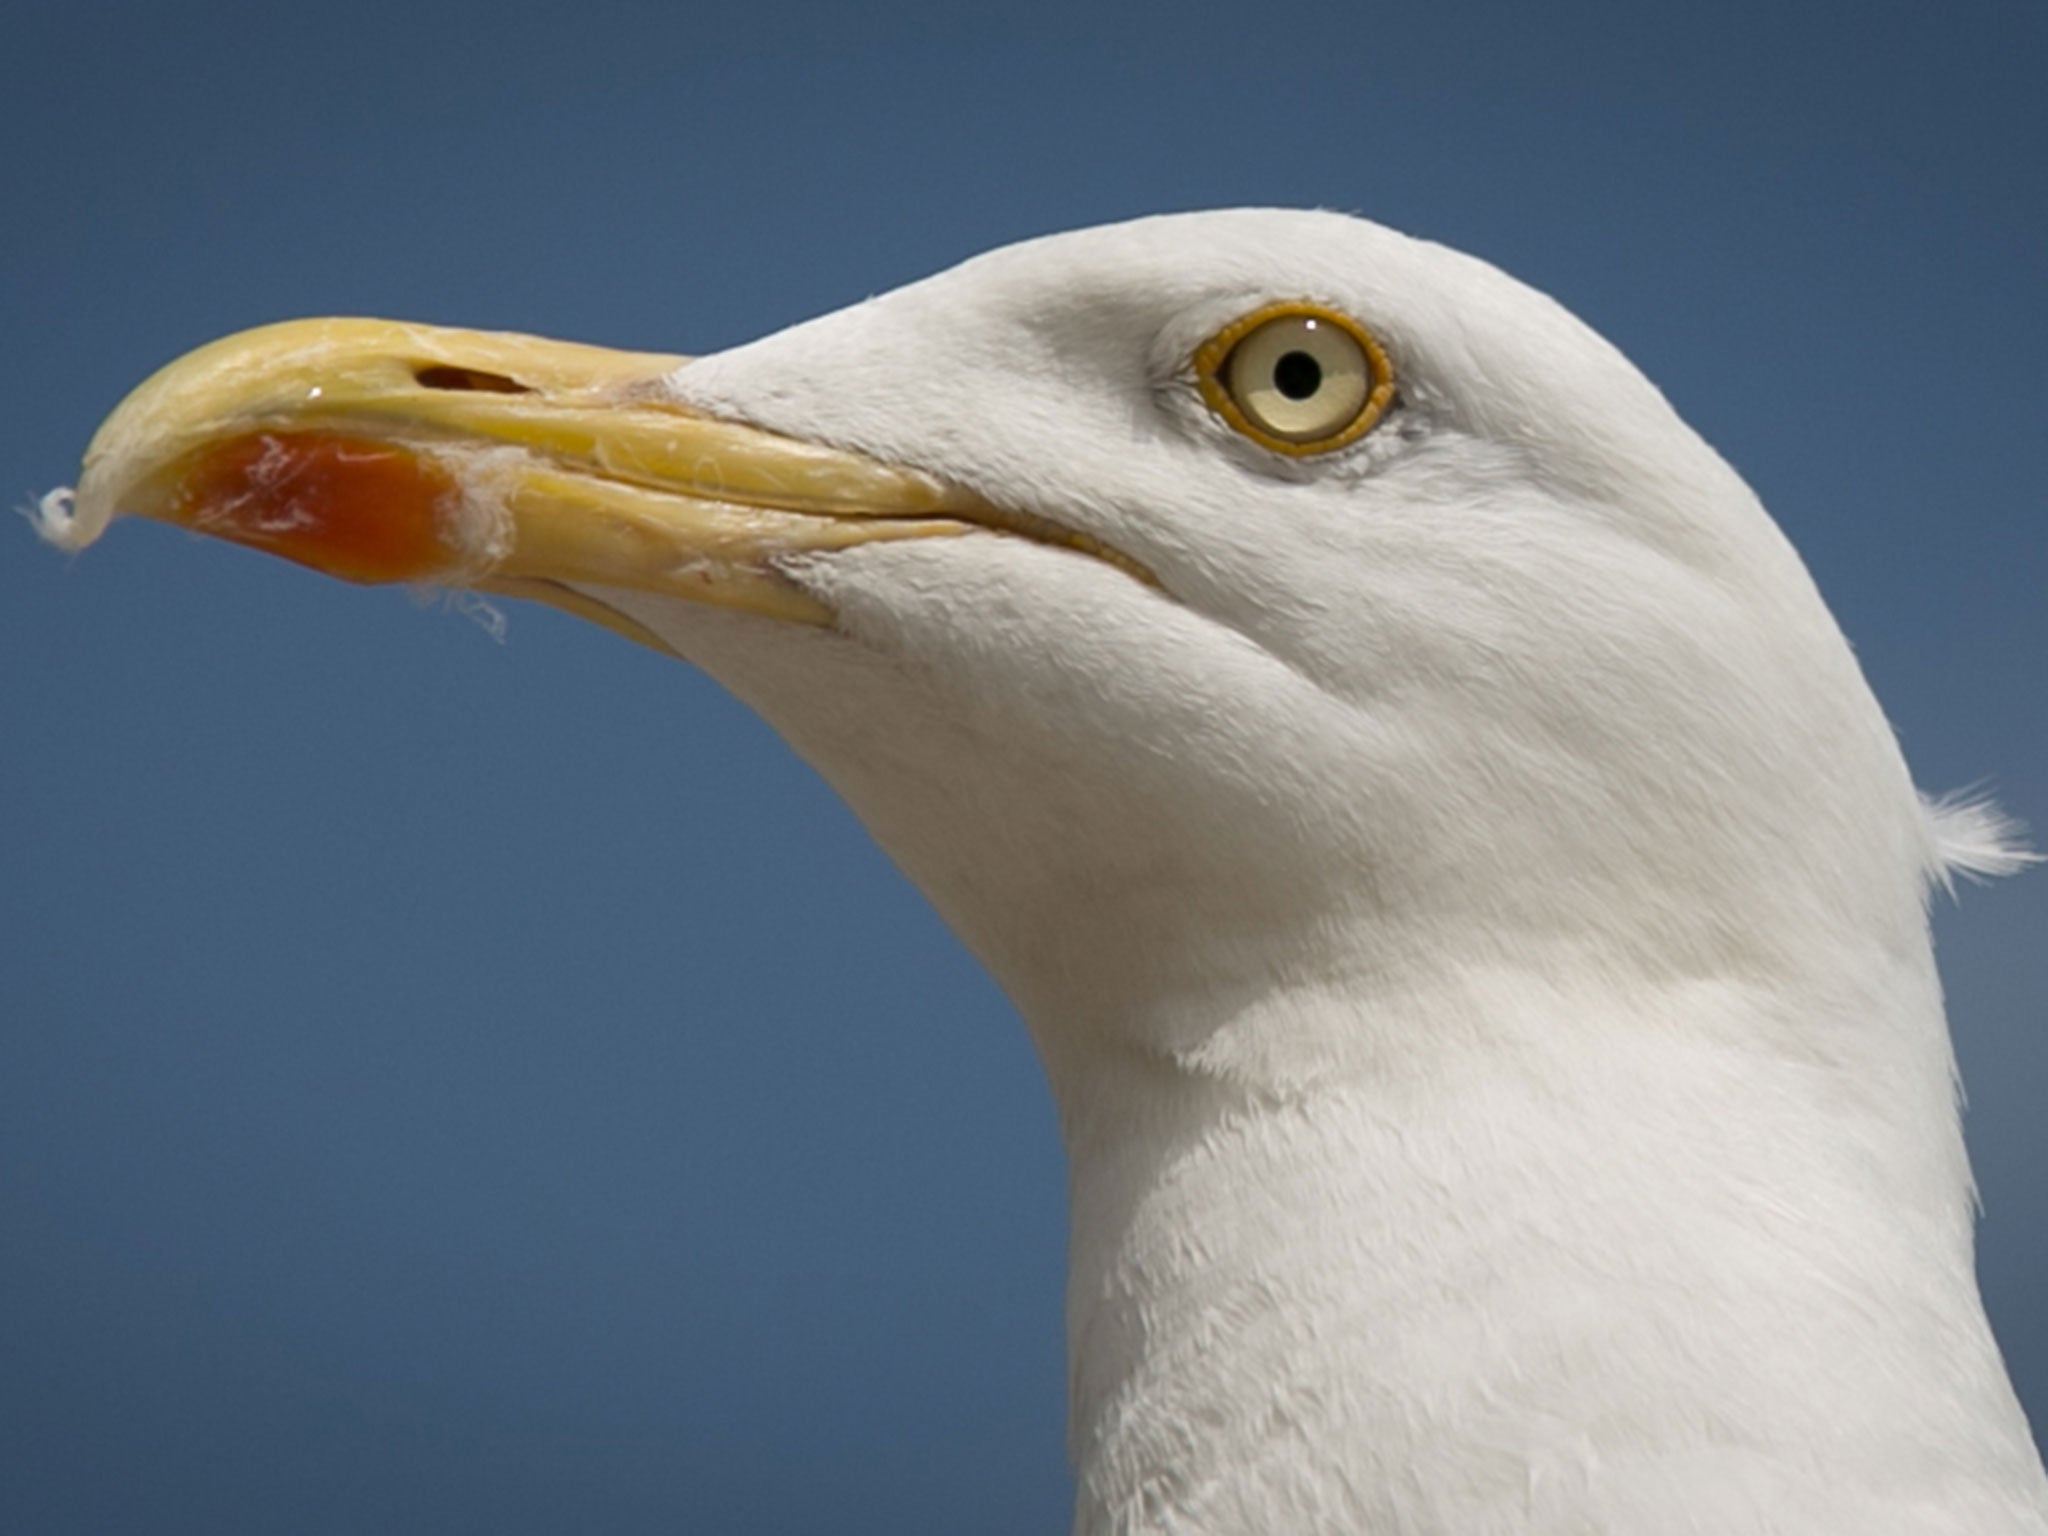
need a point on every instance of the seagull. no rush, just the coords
(1469, 907)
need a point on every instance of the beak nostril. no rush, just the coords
(475, 380)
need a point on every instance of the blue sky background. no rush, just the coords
(456, 1086)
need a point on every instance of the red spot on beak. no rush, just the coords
(352, 507)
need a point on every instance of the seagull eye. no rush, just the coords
(1296, 377)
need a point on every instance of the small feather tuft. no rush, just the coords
(1970, 836)
(55, 520)
(474, 606)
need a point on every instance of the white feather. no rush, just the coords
(1974, 838)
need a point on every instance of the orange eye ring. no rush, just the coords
(1296, 377)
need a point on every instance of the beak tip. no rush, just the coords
(63, 518)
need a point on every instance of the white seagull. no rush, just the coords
(1469, 906)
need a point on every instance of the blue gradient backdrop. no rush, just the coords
(456, 1086)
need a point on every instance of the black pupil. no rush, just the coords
(1297, 375)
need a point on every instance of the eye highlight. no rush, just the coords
(1296, 377)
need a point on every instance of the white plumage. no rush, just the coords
(1470, 910)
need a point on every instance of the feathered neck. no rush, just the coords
(1614, 1259)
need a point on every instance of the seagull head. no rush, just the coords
(1255, 589)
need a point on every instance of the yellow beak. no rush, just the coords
(379, 451)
